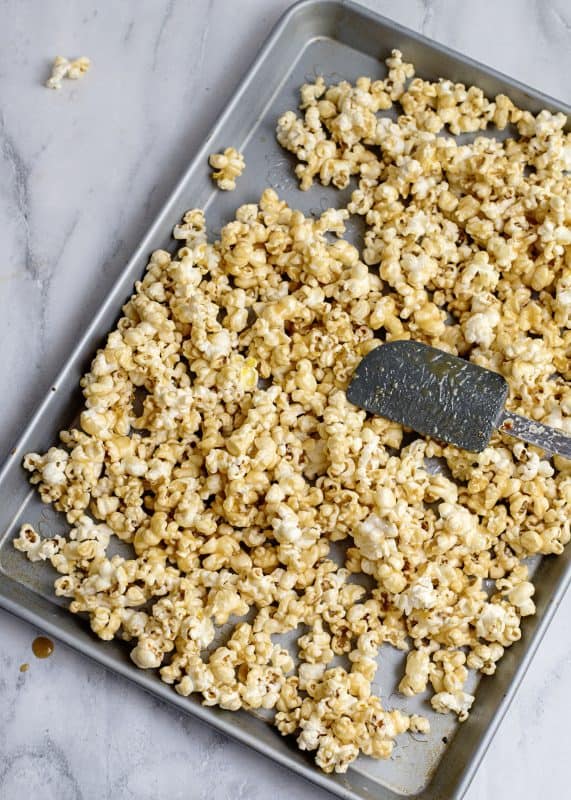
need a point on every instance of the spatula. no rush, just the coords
(444, 396)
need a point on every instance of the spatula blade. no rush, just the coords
(430, 391)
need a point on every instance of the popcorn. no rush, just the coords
(217, 442)
(146, 655)
(419, 724)
(63, 68)
(520, 596)
(286, 525)
(339, 718)
(420, 594)
(459, 703)
(228, 166)
(34, 546)
(496, 624)
(416, 674)
(480, 327)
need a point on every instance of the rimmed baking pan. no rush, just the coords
(339, 40)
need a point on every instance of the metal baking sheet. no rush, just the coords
(339, 40)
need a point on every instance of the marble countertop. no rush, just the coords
(83, 172)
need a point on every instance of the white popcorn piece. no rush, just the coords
(459, 703)
(492, 622)
(480, 327)
(63, 68)
(286, 526)
(146, 656)
(420, 594)
(371, 536)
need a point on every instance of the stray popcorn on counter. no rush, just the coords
(63, 68)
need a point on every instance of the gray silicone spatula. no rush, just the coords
(444, 396)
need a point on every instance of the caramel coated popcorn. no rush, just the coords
(228, 166)
(217, 439)
(64, 68)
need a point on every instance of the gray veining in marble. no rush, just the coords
(83, 171)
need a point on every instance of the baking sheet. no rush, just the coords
(340, 41)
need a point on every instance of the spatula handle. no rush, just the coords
(552, 440)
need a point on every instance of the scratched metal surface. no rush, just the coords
(338, 40)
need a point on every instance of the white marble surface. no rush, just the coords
(83, 172)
